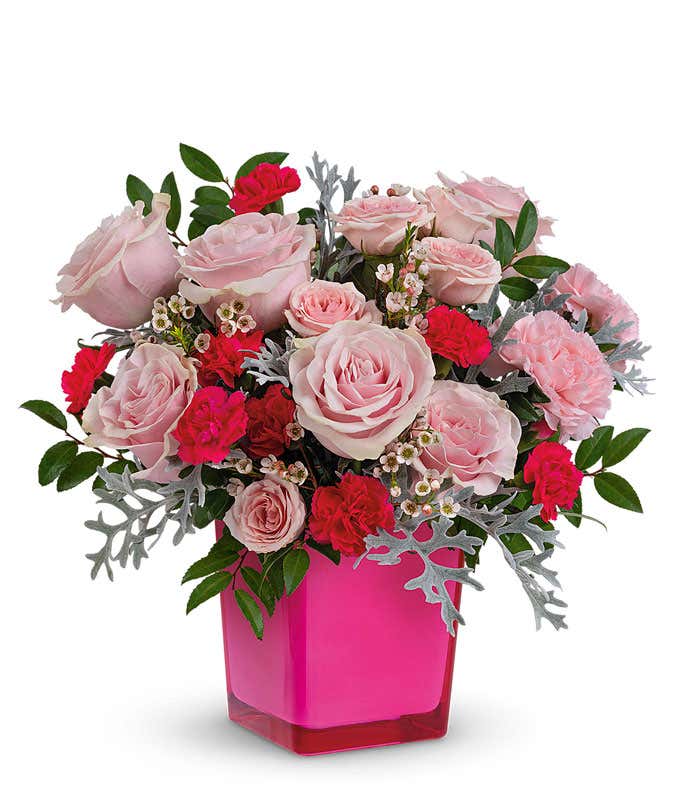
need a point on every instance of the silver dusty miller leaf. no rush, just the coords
(270, 365)
(144, 516)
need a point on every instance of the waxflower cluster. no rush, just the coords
(319, 381)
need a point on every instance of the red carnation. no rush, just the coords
(210, 424)
(455, 336)
(265, 184)
(223, 360)
(78, 382)
(344, 514)
(267, 420)
(556, 479)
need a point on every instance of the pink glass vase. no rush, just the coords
(350, 660)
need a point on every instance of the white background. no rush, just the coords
(109, 687)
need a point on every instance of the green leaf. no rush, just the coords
(210, 214)
(208, 194)
(267, 596)
(274, 206)
(517, 288)
(540, 266)
(214, 508)
(196, 229)
(483, 244)
(522, 408)
(213, 561)
(252, 578)
(305, 214)
(55, 460)
(81, 468)
(208, 588)
(622, 445)
(200, 164)
(251, 610)
(47, 412)
(266, 157)
(527, 224)
(504, 245)
(617, 491)
(591, 449)
(117, 467)
(577, 510)
(170, 186)
(326, 549)
(138, 191)
(295, 565)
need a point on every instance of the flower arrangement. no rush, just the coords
(379, 375)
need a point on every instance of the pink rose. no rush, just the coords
(502, 201)
(142, 406)
(567, 366)
(257, 257)
(267, 515)
(115, 273)
(602, 303)
(457, 215)
(316, 306)
(479, 436)
(459, 273)
(377, 224)
(359, 385)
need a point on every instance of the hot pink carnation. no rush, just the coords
(479, 436)
(257, 257)
(459, 273)
(377, 224)
(266, 183)
(567, 366)
(212, 422)
(359, 385)
(115, 273)
(267, 515)
(318, 305)
(141, 408)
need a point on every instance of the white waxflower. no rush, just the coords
(395, 491)
(246, 323)
(422, 488)
(160, 304)
(268, 464)
(228, 328)
(427, 510)
(424, 438)
(188, 311)
(395, 302)
(419, 250)
(297, 472)
(377, 472)
(413, 284)
(224, 312)
(176, 304)
(161, 322)
(234, 487)
(424, 270)
(385, 273)
(448, 507)
(400, 190)
(390, 462)
(202, 342)
(294, 431)
(244, 465)
(410, 507)
(239, 305)
(406, 453)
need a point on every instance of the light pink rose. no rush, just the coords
(598, 299)
(115, 273)
(502, 201)
(257, 257)
(267, 515)
(377, 224)
(142, 406)
(567, 366)
(359, 385)
(459, 273)
(316, 306)
(458, 215)
(480, 436)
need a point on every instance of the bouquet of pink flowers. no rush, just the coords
(393, 373)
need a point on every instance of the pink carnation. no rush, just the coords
(567, 366)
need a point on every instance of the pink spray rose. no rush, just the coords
(316, 306)
(377, 224)
(479, 436)
(260, 258)
(142, 406)
(602, 303)
(458, 215)
(502, 201)
(567, 366)
(359, 385)
(115, 273)
(459, 273)
(267, 515)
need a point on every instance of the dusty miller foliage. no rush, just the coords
(328, 180)
(270, 364)
(536, 579)
(146, 508)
